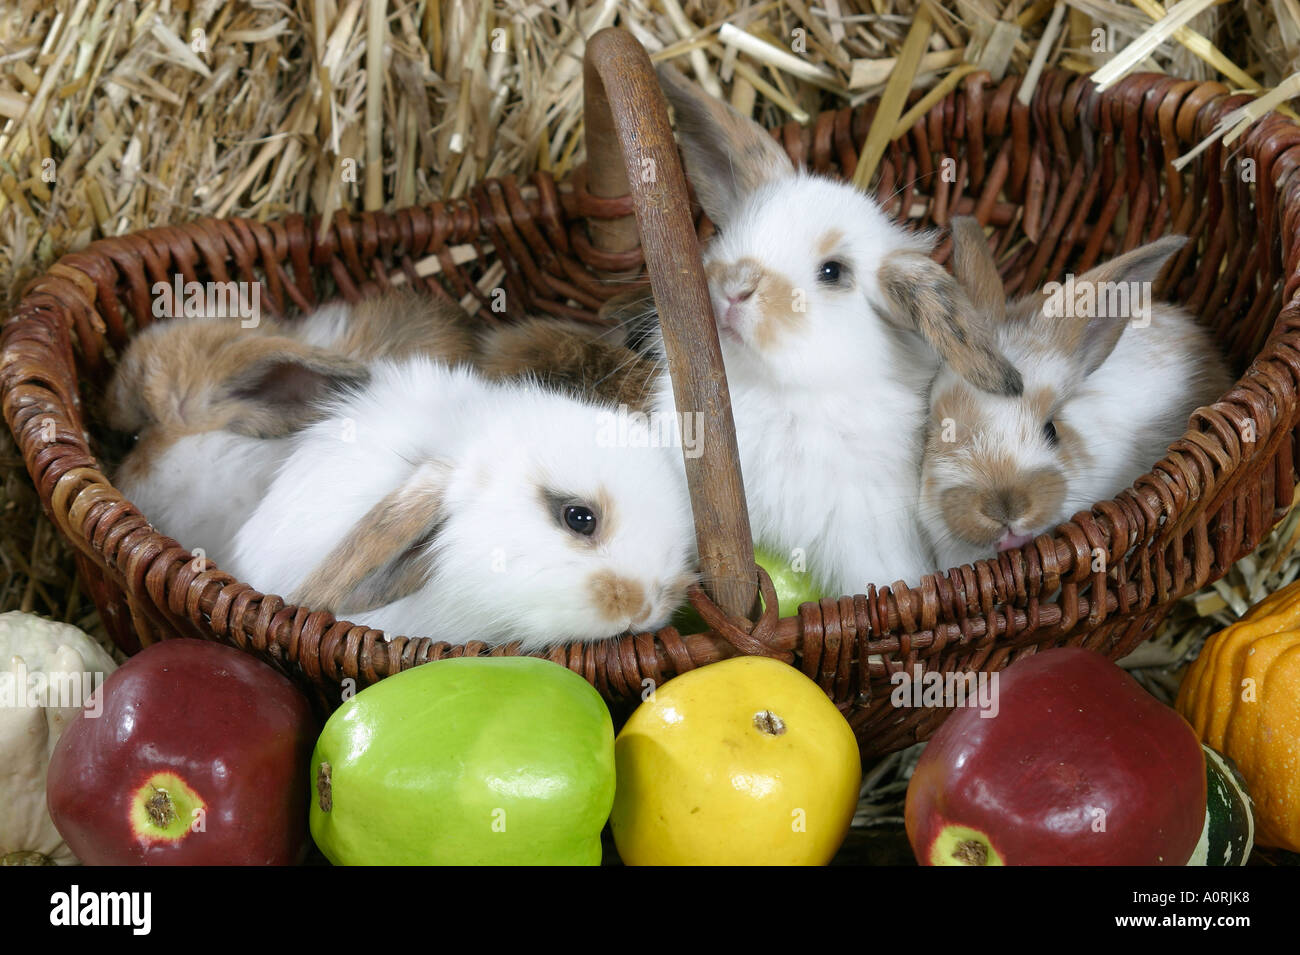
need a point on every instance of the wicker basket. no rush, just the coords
(1057, 179)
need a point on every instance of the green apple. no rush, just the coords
(793, 587)
(471, 760)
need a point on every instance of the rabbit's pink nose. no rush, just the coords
(735, 281)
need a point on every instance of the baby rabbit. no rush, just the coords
(434, 502)
(211, 401)
(832, 319)
(1100, 404)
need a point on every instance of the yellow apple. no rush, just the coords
(742, 762)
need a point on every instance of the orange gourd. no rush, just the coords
(1242, 696)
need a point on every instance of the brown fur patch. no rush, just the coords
(582, 360)
(196, 374)
(608, 512)
(632, 301)
(961, 514)
(404, 321)
(169, 373)
(829, 242)
(731, 277)
(616, 597)
(1041, 401)
(777, 314)
(379, 560)
(772, 297)
(954, 404)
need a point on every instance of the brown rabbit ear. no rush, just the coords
(922, 297)
(384, 557)
(279, 386)
(728, 156)
(975, 268)
(1090, 342)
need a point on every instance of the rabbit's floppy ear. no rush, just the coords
(1089, 339)
(922, 297)
(277, 383)
(383, 558)
(727, 155)
(975, 268)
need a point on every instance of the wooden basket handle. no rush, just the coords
(630, 148)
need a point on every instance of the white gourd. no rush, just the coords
(32, 649)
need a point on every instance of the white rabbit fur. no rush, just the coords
(426, 504)
(828, 375)
(1117, 394)
(202, 488)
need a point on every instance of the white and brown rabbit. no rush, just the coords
(434, 502)
(1110, 378)
(832, 319)
(210, 402)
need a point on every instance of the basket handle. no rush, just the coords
(630, 148)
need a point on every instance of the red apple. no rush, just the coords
(200, 756)
(1080, 766)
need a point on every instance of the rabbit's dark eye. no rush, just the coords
(579, 519)
(1049, 432)
(832, 272)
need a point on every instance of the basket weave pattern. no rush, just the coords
(1054, 178)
